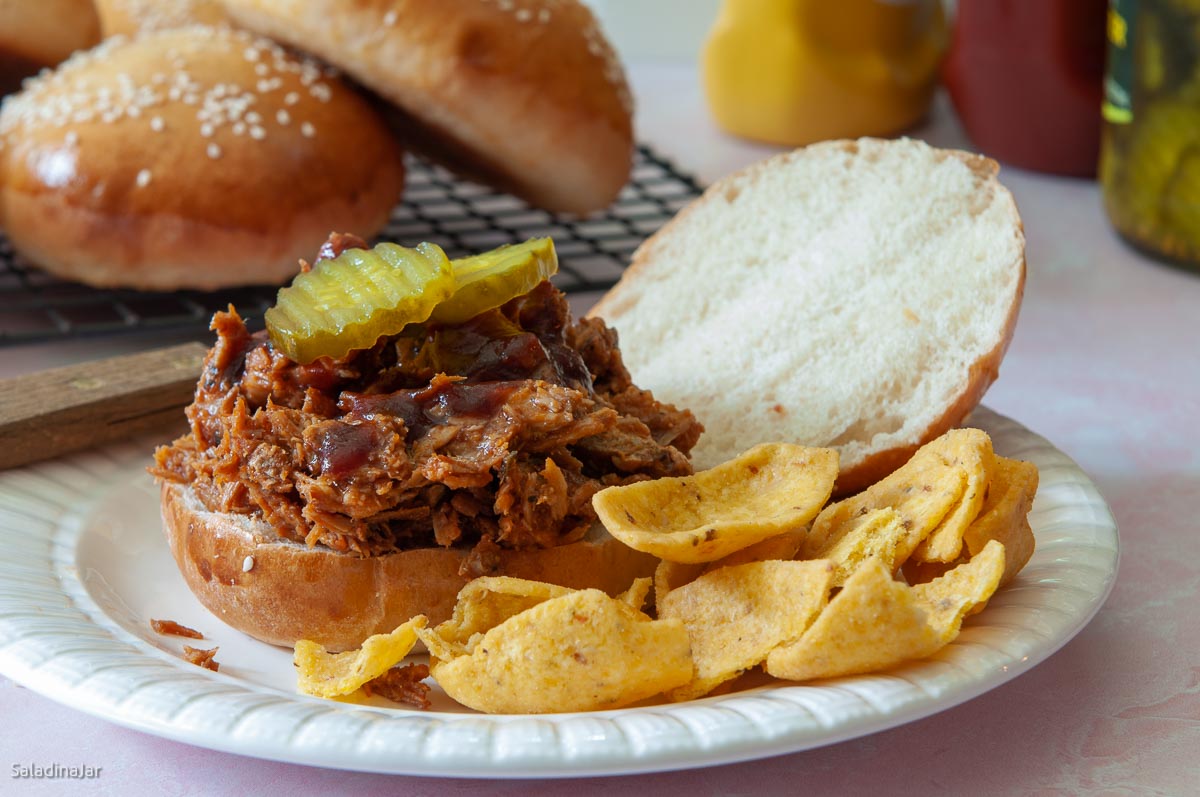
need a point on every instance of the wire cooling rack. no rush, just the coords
(460, 216)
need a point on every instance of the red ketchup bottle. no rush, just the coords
(1026, 77)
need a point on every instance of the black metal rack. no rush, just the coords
(460, 216)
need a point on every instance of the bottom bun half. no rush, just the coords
(280, 591)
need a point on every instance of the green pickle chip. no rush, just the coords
(352, 300)
(488, 280)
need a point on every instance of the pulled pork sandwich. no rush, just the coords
(331, 494)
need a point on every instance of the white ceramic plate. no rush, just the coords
(85, 566)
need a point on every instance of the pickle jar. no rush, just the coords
(1150, 143)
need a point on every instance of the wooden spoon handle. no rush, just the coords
(45, 414)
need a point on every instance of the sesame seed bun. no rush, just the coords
(128, 17)
(38, 33)
(526, 95)
(281, 591)
(190, 158)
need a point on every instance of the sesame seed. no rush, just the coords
(253, 118)
(307, 130)
(206, 130)
(282, 116)
(72, 138)
(321, 92)
(143, 178)
(214, 151)
(247, 564)
(389, 19)
(291, 98)
(262, 70)
(157, 124)
(257, 133)
(250, 54)
(524, 15)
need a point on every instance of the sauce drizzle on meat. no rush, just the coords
(492, 434)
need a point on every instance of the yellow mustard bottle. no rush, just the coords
(796, 71)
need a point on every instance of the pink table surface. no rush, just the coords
(1105, 363)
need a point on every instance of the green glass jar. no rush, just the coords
(1150, 145)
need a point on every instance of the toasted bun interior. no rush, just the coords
(279, 591)
(855, 294)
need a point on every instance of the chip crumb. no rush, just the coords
(172, 628)
(202, 658)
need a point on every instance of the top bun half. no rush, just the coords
(526, 95)
(852, 294)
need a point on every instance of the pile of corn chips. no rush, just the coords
(757, 569)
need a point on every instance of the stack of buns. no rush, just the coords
(189, 150)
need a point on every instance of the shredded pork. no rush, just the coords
(490, 435)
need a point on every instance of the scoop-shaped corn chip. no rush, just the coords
(637, 593)
(327, 674)
(873, 623)
(970, 450)
(927, 490)
(736, 615)
(671, 575)
(879, 534)
(914, 572)
(1005, 515)
(483, 604)
(962, 591)
(781, 546)
(576, 652)
(771, 489)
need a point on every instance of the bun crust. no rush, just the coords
(38, 33)
(189, 158)
(293, 592)
(876, 283)
(528, 96)
(129, 17)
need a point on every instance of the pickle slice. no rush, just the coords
(488, 280)
(351, 301)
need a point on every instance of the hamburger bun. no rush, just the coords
(280, 591)
(189, 158)
(129, 17)
(854, 294)
(526, 95)
(35, 34)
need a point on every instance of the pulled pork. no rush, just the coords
(402, 685)
(492, 434)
